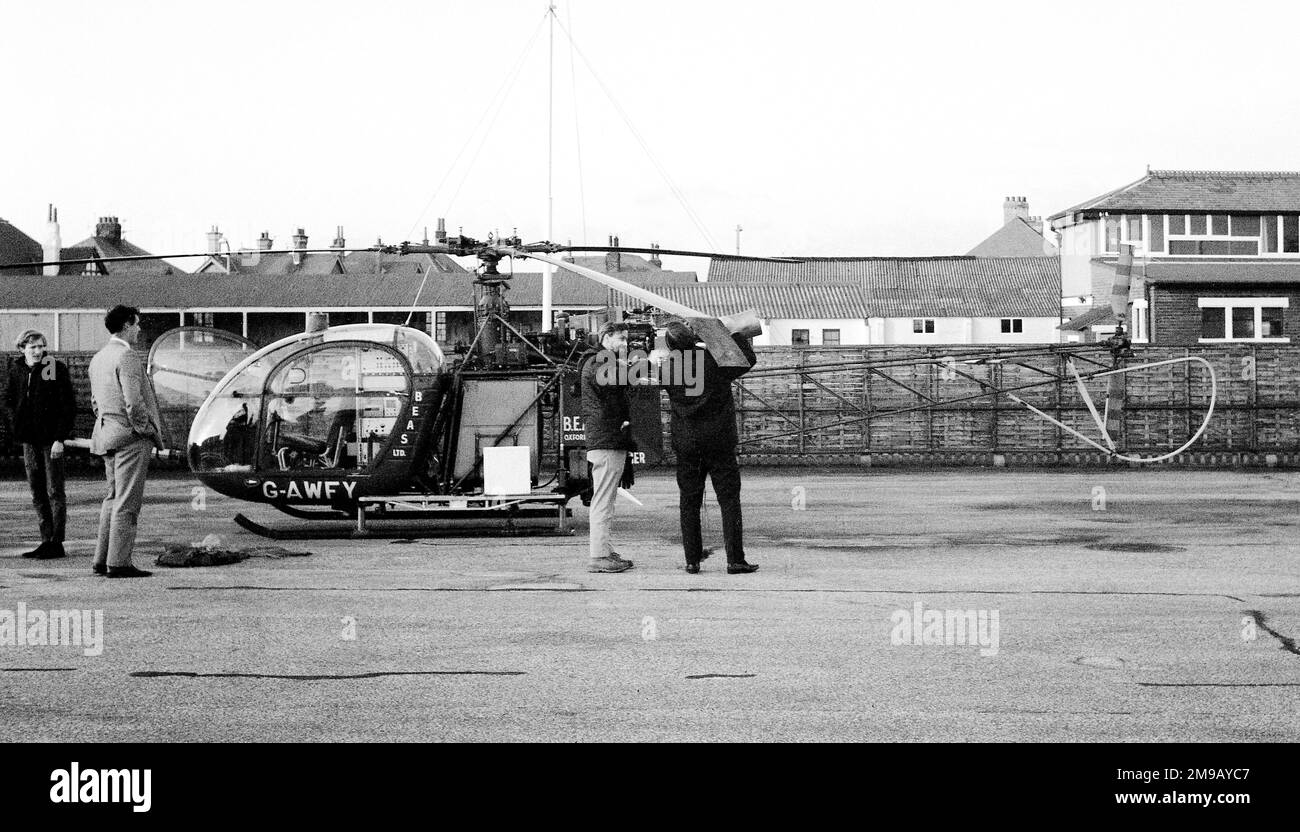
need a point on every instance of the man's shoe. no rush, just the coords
(127, 572)
(52, 550)
(606, 565)
(618, 557)
(692, 569)
(100, 569)
(38, 552)
(741, 568)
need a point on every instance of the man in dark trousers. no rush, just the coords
(704, 440)
(43, 407)
(607, 416)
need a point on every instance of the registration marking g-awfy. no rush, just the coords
(307, 489)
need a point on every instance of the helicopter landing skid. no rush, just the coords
(433, 516)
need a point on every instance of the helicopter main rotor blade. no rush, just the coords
(709, 329)
(132, 258)
(551, 249)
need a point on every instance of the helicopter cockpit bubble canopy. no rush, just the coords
(302, 403)
(187, 362)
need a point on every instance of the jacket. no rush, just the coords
(710, 417)
(605, 408)
(41, 404)
(122, 395)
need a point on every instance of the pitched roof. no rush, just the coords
(1094, 316)
(17, 247)
(296, 291)
(626, 263)
(1015, 239)
(901, 287)
(1220, 272)
(101, 246)
(1199, 190)
(770, 300)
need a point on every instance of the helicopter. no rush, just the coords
(356, 424)
(368, 422)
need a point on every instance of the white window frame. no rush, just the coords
(1258, 239)
(1138, 323)
(1258, 304)
(1139, 246)
(927, 326)
(1011, 326)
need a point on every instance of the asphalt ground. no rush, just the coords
(1132, 605)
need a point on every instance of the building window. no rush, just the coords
(440, 327)
(799, 337)
(1138, 325)
(923, 325)
(1218, 235)
(830, 337)
(1243, 319)
(1157, 223)
(1010, 325)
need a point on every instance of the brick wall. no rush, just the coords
(1175, 319)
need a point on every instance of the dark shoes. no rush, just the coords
(100, 569)
(127, 572)
(692, 569)
(616, 556)
(46, 551)
(741, 568)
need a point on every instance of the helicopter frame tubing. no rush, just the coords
(948, 361)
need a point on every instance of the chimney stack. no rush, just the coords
(214, 241)
(265, 243)
(1015, 207)
(52, 250)
(613, 260)
(1036, 223)
(654, 257)
(441, 234)
(299, 245)
(109, 228)
(339, 243)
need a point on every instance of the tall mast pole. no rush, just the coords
(548, 270)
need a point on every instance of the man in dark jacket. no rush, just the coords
(704, 440)
(42, 406)
(607, 417)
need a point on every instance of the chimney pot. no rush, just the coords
(1015, 207)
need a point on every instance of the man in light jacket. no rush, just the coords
(128, 427)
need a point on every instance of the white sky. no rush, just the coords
(823, 128)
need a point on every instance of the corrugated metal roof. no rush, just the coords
(214, 290)
(1200, 190)
(901, 287)
(770, 300)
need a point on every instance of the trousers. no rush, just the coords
(125, 470)
(606, 472)
(695, 462)
(45, 477)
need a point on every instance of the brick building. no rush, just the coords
(1217, 257)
